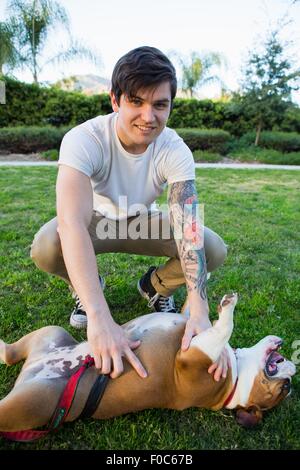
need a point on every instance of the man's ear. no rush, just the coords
(249, 417)
(113, 101)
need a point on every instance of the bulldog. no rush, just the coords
(259, 377)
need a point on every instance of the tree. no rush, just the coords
(197, 70)
(33, 21)
(8, 53)
(269, 79)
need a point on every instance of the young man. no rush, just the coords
(111, 170)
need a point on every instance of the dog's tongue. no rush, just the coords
(276, 357)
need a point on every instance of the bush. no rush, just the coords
(31, 139)
(260, 155)
(214, 140)
(35, 105)
(282, 141)
(204, 156)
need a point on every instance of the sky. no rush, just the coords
(113, 27)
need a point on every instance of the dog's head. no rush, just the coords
(271, 382)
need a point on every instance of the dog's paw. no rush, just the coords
(2, 352)
(228, 299)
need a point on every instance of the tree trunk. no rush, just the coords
(258, 131)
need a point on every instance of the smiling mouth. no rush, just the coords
(145, 128)
(274, 358)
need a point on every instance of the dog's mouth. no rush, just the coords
(273, 359)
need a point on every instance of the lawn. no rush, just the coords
(257, 214)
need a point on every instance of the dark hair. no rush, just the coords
(141, 68)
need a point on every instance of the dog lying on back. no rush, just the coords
(259, 377)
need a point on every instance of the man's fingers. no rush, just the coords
(134, 344)
(98, 362)
(213, 367)
(218, 374)
(118, 367)
(106, 364)
(136, 364)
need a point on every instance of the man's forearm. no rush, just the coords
(189, 237)
(81, 264)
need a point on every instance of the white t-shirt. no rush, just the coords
(125, 184)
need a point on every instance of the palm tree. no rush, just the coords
(196, 70)
(8, 53)
(34, 20)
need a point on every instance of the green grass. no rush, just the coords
(257, 214)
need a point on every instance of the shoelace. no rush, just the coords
(79, 305)
(166, 304)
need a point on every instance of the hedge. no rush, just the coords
(36, 139)
(214, 140)
(281, 141)
(31, 139)
(34, 105)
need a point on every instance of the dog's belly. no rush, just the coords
(56, 362)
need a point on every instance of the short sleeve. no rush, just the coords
(179, 164)
(81, 151)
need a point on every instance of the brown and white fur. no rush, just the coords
(176, 379)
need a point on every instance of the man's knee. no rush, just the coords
(216, 252)
(46, 250)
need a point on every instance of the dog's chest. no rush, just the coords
(57, 362)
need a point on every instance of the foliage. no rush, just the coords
(33, 105)
(8, 52)
(34, 20)
(31, 139)
(268, 81)
(197, 70)
(282, 141)
(214, 140)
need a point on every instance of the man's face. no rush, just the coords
(143, 117)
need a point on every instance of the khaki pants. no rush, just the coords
(106, 236)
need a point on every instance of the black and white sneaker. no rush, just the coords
(78, 318)
(157, 302)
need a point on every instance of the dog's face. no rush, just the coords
(271, 384)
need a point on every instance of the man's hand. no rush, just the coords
(194, 327)
(109, 344)
(220, 367)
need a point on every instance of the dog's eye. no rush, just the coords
(286, 386)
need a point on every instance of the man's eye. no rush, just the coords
(161, 105)
(136, 102)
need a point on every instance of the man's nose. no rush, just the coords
(148, 114)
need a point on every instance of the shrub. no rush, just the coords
(261, 155)
(31, 139)
(282, 141)
(35, 105)
(204, 156)
(214, 140)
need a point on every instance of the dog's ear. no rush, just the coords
(249, 417)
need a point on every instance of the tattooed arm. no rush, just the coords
(189, 236)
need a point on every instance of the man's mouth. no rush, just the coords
(145, 128)
(274, 358)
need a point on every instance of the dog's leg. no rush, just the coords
(213, 340)
(29, 405)
(33, 343)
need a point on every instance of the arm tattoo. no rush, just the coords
(188, 234)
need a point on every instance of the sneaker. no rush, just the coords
(158, 303)
(78, 318)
